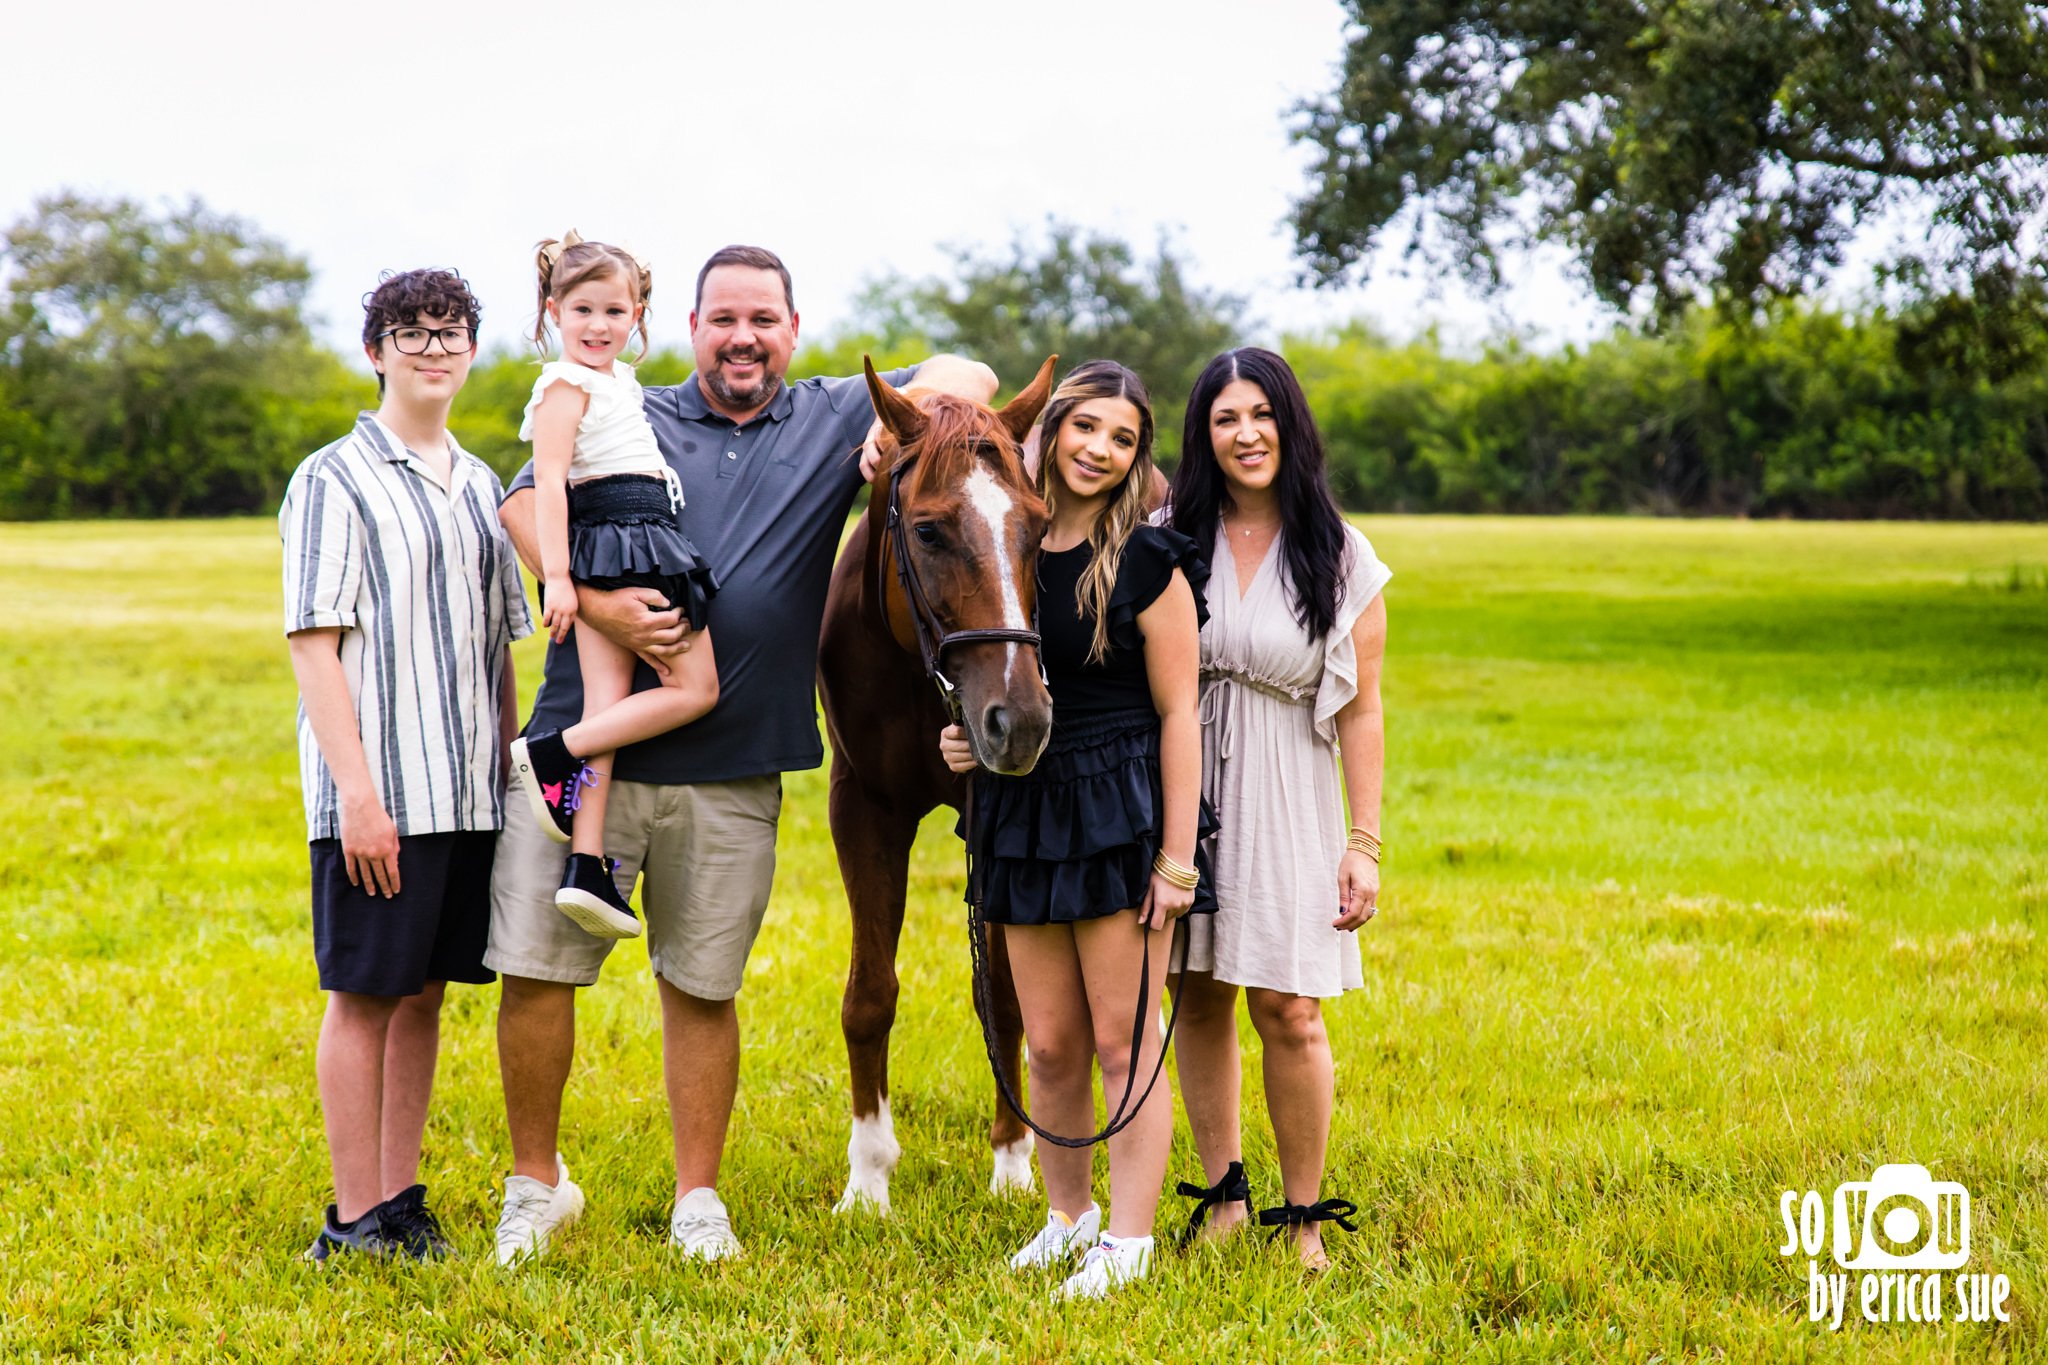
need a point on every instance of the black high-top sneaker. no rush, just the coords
(552, 779)
(590, 896)
(364, 1237)
(411, 1224)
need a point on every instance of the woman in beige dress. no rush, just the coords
(1290, 695)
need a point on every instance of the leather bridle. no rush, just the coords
(933, 639)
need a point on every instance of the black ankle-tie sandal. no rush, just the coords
(1286, 1216)
(1336, 1211)
(1232, 1188)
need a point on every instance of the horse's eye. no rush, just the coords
(927, 532)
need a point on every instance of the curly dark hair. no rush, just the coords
(400, 298)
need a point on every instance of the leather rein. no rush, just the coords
(933, 639)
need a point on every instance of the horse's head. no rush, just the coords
(970, 524)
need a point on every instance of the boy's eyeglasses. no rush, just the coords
(413, 340)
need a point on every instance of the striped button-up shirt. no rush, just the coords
(424, 585)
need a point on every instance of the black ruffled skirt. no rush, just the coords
(623, 534)
(1074, 838)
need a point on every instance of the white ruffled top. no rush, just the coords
(613, 437)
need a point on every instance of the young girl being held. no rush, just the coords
(605, 505)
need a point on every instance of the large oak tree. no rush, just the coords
(1684, 148)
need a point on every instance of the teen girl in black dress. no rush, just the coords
(1090, 858)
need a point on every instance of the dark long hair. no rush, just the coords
(1311, 527)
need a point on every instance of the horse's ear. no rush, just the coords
(898, 413)
(1020, 412)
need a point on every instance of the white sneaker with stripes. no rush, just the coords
(701, 1228)
(534, 1212)
(1109, 1264)
(1061, 1239)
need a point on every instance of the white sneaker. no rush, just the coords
(534, 1212)
(1061, 1239)
(1110, 1263)
(701, 1228)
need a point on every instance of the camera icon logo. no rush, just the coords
(1901, 1218)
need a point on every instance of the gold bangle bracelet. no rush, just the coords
(1176, 874)
(1361, 840)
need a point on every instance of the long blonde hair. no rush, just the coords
(1126, 512)
(571, 261)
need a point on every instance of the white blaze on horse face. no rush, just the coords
(993, 503)
(871, 1155)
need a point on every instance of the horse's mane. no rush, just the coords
(957, 433)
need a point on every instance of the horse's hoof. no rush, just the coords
(871, 1154)
(1013, 1169)
(858, 1200)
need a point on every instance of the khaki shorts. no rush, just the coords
(707, 854)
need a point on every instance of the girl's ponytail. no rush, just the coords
(645, 279)
(546, 253)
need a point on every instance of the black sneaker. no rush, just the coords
(552, 779)
(366, 1237)
(411, 1226)
(590, 896)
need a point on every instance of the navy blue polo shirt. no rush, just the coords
(765, 503)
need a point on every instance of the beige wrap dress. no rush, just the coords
(1270, 697)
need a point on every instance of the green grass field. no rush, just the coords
(1717, 865)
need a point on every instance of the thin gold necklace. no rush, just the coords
(1247, 530)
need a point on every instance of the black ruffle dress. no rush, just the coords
(623, 534)
(1074, 838)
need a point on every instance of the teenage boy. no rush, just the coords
(402, 599)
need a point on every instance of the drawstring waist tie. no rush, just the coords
(1224, 685)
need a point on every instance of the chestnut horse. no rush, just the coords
(969, 523)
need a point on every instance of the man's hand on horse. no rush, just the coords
(954, 748)
(952, 374)
(871, 452)
(640, 620)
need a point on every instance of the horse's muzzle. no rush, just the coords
(1009, 739)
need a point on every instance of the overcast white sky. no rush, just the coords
(373, 136)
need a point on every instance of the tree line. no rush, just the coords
(1703, 165)
(1810, 412)
(158, 364)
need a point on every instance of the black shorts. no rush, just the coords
(434, 929)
